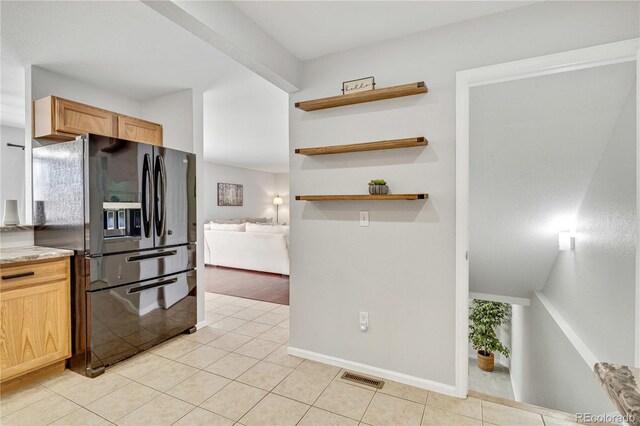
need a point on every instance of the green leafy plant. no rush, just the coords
(378, 182)
(484, 317)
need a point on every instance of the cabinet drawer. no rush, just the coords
(133, 129)
(28, 273)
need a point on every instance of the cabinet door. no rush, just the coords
(133, 129)
(76, 118)
(35, 329)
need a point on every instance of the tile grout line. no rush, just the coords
(34, 402)
(82, 406)
(232, 381)
(115, 390)
(424, 408)
(137, 408)
(246, 384)
(369, 405)
(318, 397)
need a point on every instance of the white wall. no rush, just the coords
(519, 349)
(197, 107)
(546, 369)
(282, 188)
(594, 285)
(259, 188)
(409, 294)
(175, 112)
(12, 169)
(45, 83)
(246, 123)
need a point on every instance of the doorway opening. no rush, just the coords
(246, 230)
(547, 220)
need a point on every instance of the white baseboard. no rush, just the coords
(375, 371)
(201, 324)
(516, 397)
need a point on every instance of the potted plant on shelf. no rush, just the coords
(484, 317)
(378, 186)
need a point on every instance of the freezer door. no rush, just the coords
(131, 318)
(121, 195)
(175, 197)
(123, 268)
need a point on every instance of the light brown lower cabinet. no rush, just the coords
(35, 332)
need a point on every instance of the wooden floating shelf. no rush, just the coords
(362, 197)
(368, 146)
(361, 97)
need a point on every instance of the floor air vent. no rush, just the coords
(376, 383)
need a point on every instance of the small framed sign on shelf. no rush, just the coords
(359, 85)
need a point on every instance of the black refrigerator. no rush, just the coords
(128, 210)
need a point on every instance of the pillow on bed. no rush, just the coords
(270, 229)
(227, 227)
(228, 221)
(259, 219)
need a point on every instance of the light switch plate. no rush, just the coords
(363, 319)
(364, 218)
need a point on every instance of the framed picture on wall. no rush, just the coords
(229, 194)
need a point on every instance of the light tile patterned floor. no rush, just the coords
(237, 371)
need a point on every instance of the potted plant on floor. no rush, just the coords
(484, 317)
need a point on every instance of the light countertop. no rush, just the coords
(30, 253)
(16, 228)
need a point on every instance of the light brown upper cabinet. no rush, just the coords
(59, 119)
(134, 129)
(62, 120)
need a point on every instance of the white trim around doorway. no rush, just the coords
(606, 54)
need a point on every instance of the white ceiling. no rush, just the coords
(130, 49)
(122, 46)
(534, 147)
(246, 123)
(310, 29)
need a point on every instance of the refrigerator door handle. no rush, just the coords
(161, 189)
(164, 195)
(151, 286)
(141, 257)
(147, 196)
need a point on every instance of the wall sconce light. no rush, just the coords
(565, 226)
(566, 241)
(277, 201)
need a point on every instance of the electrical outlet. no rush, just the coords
(364, 218)
(364, 321)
